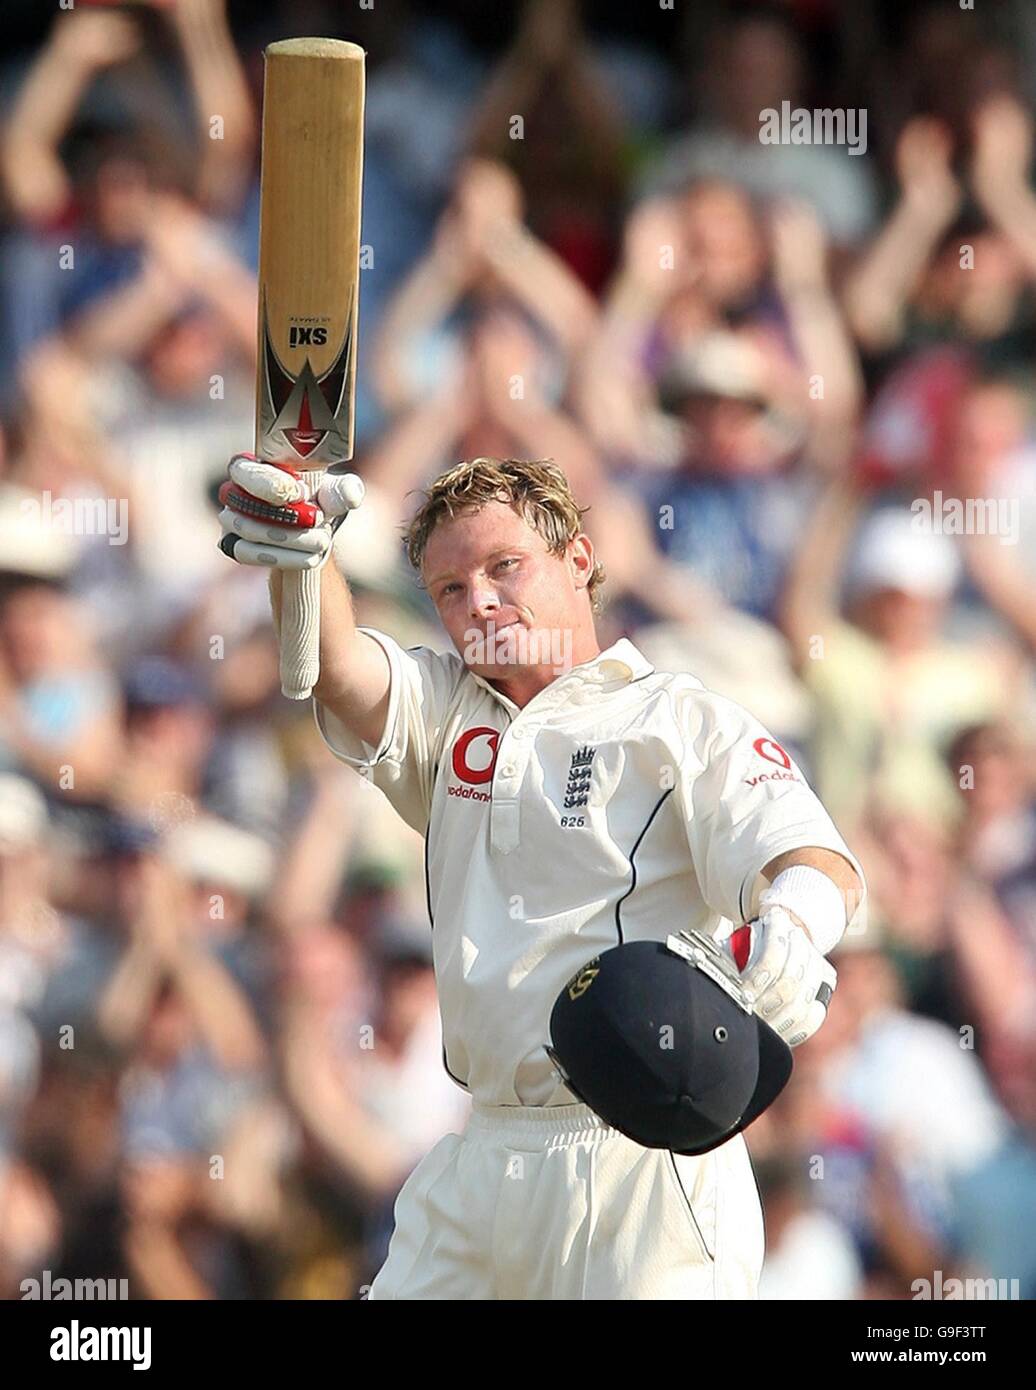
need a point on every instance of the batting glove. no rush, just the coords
(271, 518)
(792, 983)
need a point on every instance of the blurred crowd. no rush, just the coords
(769, 372)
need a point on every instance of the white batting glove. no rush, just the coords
(270, 518)
(790, 979)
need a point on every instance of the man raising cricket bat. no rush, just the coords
(309, 270)
(573, 801)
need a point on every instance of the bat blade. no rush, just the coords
(309, 270)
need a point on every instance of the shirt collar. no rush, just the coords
(621, 662)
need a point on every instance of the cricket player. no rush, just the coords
(570, 799)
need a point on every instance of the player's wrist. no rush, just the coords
(813, 900)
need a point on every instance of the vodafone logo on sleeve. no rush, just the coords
(772, 751)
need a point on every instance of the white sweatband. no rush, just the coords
(816, 901)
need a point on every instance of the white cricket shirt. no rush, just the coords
(621, 804)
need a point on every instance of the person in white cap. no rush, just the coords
(891, 686)
(570, 799)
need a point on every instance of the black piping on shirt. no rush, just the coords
(633, 863)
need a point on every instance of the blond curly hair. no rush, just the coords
(536, 489)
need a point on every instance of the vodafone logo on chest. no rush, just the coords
(474, 755)
(772, 751)
(473, 761)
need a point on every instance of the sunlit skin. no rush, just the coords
(490, 566)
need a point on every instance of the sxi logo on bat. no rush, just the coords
(299, 336)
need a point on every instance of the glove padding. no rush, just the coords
(791, 981)
(271, 518)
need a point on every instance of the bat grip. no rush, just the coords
(300, 624)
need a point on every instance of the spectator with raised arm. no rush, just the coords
(748, 65)
(549, 80)
(931, 276)
(99, 201)
(482, 255)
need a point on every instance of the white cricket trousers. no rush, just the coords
(551, 1203)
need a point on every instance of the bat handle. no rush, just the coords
(300, 625)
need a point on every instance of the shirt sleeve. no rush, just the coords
(423, 686)
(744, 801)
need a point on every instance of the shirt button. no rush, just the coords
(509, 770)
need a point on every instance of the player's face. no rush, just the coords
(489, 571)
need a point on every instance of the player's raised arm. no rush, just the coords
(269, 519)
(354, 670)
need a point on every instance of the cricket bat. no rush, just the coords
(309, 273)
